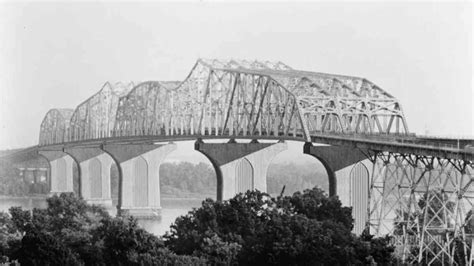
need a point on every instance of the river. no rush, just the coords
(171, 209)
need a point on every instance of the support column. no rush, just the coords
(139, 166)
(350, 168)
(94, 173)
(240, 166)
(61, 174)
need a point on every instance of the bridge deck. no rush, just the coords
(404, 144)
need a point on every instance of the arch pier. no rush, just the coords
(139, 178)
(240, 166)
(61, 165)
(347, 166)
(94, 171)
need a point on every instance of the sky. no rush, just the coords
(57, 54)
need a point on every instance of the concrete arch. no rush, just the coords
(334, 158)
(226, 156)
(244, 176)
(93, 172)
(116, 162)
(61, 170)
(332, 180)
(77, 173)
(219, 176)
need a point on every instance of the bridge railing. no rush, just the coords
(410, 139)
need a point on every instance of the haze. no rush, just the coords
(58, 54)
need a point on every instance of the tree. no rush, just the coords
(71, 232)
(304, 229)
(315, 204)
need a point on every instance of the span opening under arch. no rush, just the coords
(188, 175)
(186, 178)
(295, 171)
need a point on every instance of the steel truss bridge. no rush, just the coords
(270, 100)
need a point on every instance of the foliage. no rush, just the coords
(253, 228)
(304, 229)
(316, 205)
(10, 237)
(71, 232)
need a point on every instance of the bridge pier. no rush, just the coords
(350, 168)
(61, 173)
(240, 166)
(94, 172)
(139, 180)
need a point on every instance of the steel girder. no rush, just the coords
(425, 203)
(54, 126)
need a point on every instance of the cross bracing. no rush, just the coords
(55, 125)
(237, 97)
(95, 117)
(420, 192)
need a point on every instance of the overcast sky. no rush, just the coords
(58, 54)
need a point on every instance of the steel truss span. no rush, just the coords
(55, 126)
(235, 98)
(419, 193)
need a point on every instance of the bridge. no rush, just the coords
(355, 128)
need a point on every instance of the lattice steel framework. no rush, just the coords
(95, 117)
(55, 126)
(145, 110)
(238, 97)
(343, 104)
(425, 203)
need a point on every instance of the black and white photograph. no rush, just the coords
(236, 132)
